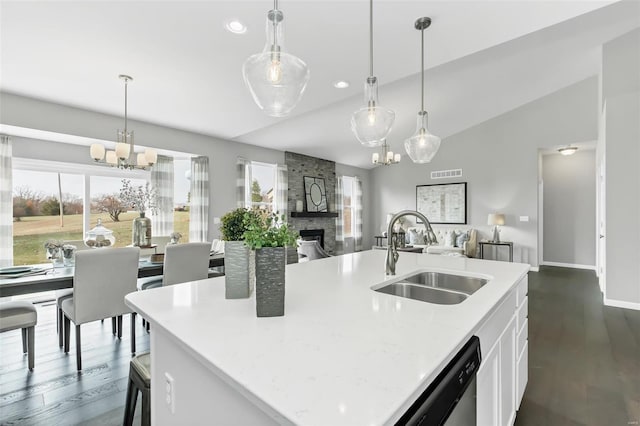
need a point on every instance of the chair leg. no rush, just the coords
(31, 336)
(130, 405)
(78, 356)
(119, 326)
(24, 340)
(146, 407)
(113, 325)
(67, 333)
(60, 327)
(133, 332)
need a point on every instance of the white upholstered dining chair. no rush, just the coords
(102, 279)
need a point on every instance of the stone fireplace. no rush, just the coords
(299, 166)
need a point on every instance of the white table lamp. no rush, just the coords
(496, 219)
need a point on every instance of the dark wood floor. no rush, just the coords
(54, 393)
(584, 358)
(584, 363)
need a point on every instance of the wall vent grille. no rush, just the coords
(443, 174)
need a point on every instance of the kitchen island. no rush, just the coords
(343, 354)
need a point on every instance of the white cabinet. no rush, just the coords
(502, 375)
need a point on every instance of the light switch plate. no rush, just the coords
(524, 218)
(216, 220)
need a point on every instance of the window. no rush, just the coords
(105, 205)
(36, 207)
(36, 212)
(261, 186)
(348, 219)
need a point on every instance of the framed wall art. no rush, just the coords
(315, 194)
(444, 203)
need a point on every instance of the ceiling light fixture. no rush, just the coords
(276, 79)
(568, 150)
(341, 84)
(124, 156)
(235, 26)
(423, 145)
(388, 157)
(372, 123)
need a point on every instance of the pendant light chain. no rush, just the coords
(370, 38)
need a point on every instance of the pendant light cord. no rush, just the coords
(422, 70)
(275, 24)
(371, 38)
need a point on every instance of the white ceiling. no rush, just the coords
(483, 58)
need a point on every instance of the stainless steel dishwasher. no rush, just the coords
(451, 398)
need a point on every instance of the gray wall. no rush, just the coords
(621, 95)
(41, 115)
(499, 159)
(570, 208)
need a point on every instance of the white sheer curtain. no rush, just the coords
(282, 189)
(6, 203)
(357, 232)
(162, 181)
(339, 220)
(199, 208)
(243, 170)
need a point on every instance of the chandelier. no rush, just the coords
(387, 158)
(124, 156)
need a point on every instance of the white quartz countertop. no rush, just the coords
(343, 354)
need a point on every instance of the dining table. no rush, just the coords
(47, 278)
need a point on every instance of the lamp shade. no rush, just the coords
(423, 145)
(495, 219)
(142, 160)
(123, 150)
(97, 151)
(112, 159)
(151, 155)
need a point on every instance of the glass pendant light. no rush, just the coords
(372, 123)
(276, 79)
(423, 145)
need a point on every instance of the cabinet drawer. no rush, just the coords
(522, 374)
(523, 335)
(522, 289)
(522, 314)
(490, 331)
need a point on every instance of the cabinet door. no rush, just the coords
(488, 389)
(508, 374)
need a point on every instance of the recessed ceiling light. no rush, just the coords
(341, 84)
(235, 26)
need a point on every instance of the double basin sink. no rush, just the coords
(433, 287)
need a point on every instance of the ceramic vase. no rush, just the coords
(141, 231)
(270, 276)
(237, 270)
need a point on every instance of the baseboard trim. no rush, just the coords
(570, 265)
(622, 304)
(534, 268)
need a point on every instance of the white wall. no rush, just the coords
(621, 95)
(41, 115)
(499, 159)
(570, 208)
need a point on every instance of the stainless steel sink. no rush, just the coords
(461, 283)
(434, 287)
(425, 294)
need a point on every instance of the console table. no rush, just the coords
(498, 244)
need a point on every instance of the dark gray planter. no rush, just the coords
(236, 270)
(270, 266)
(292, 255)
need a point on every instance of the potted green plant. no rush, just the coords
(270, 240)
(237, 257)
